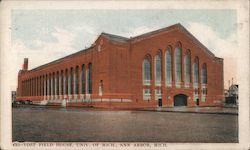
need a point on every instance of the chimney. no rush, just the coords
(25, 64)
(232, 81)
(228, 84)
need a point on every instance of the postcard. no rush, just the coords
(125, 75)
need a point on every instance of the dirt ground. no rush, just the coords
(83, 125)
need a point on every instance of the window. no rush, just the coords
(168, 68)
(76, 80)
(157, 94)
(46, 85)
(204, 91)
(49, 85)
(89, 79)
(66, 82)
(53, 84)
(157, 91)
(204, 74)
(146, 94)
(62, 83)
(82, 80)
(177, 66)
(57, 83)
(100, 87)
(99, 48)
(187, 67)
(146, 67)
(196, 71)
(71, 81)
(158, 69)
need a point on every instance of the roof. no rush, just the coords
(60, 59)
(175, 26)
(115, 37)
(156, 31)
(122, 39)
(148, 34)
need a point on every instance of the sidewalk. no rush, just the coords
(205, 110)
(179, 109)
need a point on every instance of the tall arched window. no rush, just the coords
(53, 84)
(177, 65)
(57, 83)
(71, 81)
(158, 69)
(204, 74)
(89, 79)
(168, 66)
(41, 86)
(46, 85)
(66, 82)
(76, 80)
(146, 67)
(187, 67)
(82, 80)
(196, 71)
(49, 85)
(62, 83)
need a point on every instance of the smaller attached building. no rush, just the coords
(166, 67)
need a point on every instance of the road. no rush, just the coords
(87, 125)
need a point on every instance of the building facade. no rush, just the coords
(232, 94)
(166, 67)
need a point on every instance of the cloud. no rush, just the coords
(44, 52)
(41, 52)
(225, 48)
(211, 39)
(140, 30)
(86, 28)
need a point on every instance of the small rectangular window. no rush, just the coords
(146, 94)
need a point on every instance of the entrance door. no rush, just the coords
(180, 100)
(197, 101)
(160, 102)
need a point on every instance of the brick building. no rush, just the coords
(166, 67)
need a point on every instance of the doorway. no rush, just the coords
(180, 100)
(160, 102)
(197, 102)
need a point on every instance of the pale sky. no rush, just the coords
(46, 35)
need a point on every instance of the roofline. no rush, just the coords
(196, 40)
(60, 59)
(117, 36)
(178, 25)
(154, 32)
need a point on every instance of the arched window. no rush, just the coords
(146, 68)
(196, 71)
(40, 87)
(158, 69)
(49, 85)
(62, 83)
(46, 85)
(57, 83)
(168, 65)
(177, 65)
(66, 82)
(76, 80)
(187, 67)
(82, 80)
(89, 79)
(204, 74)
(71, 81)
(52, 83)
